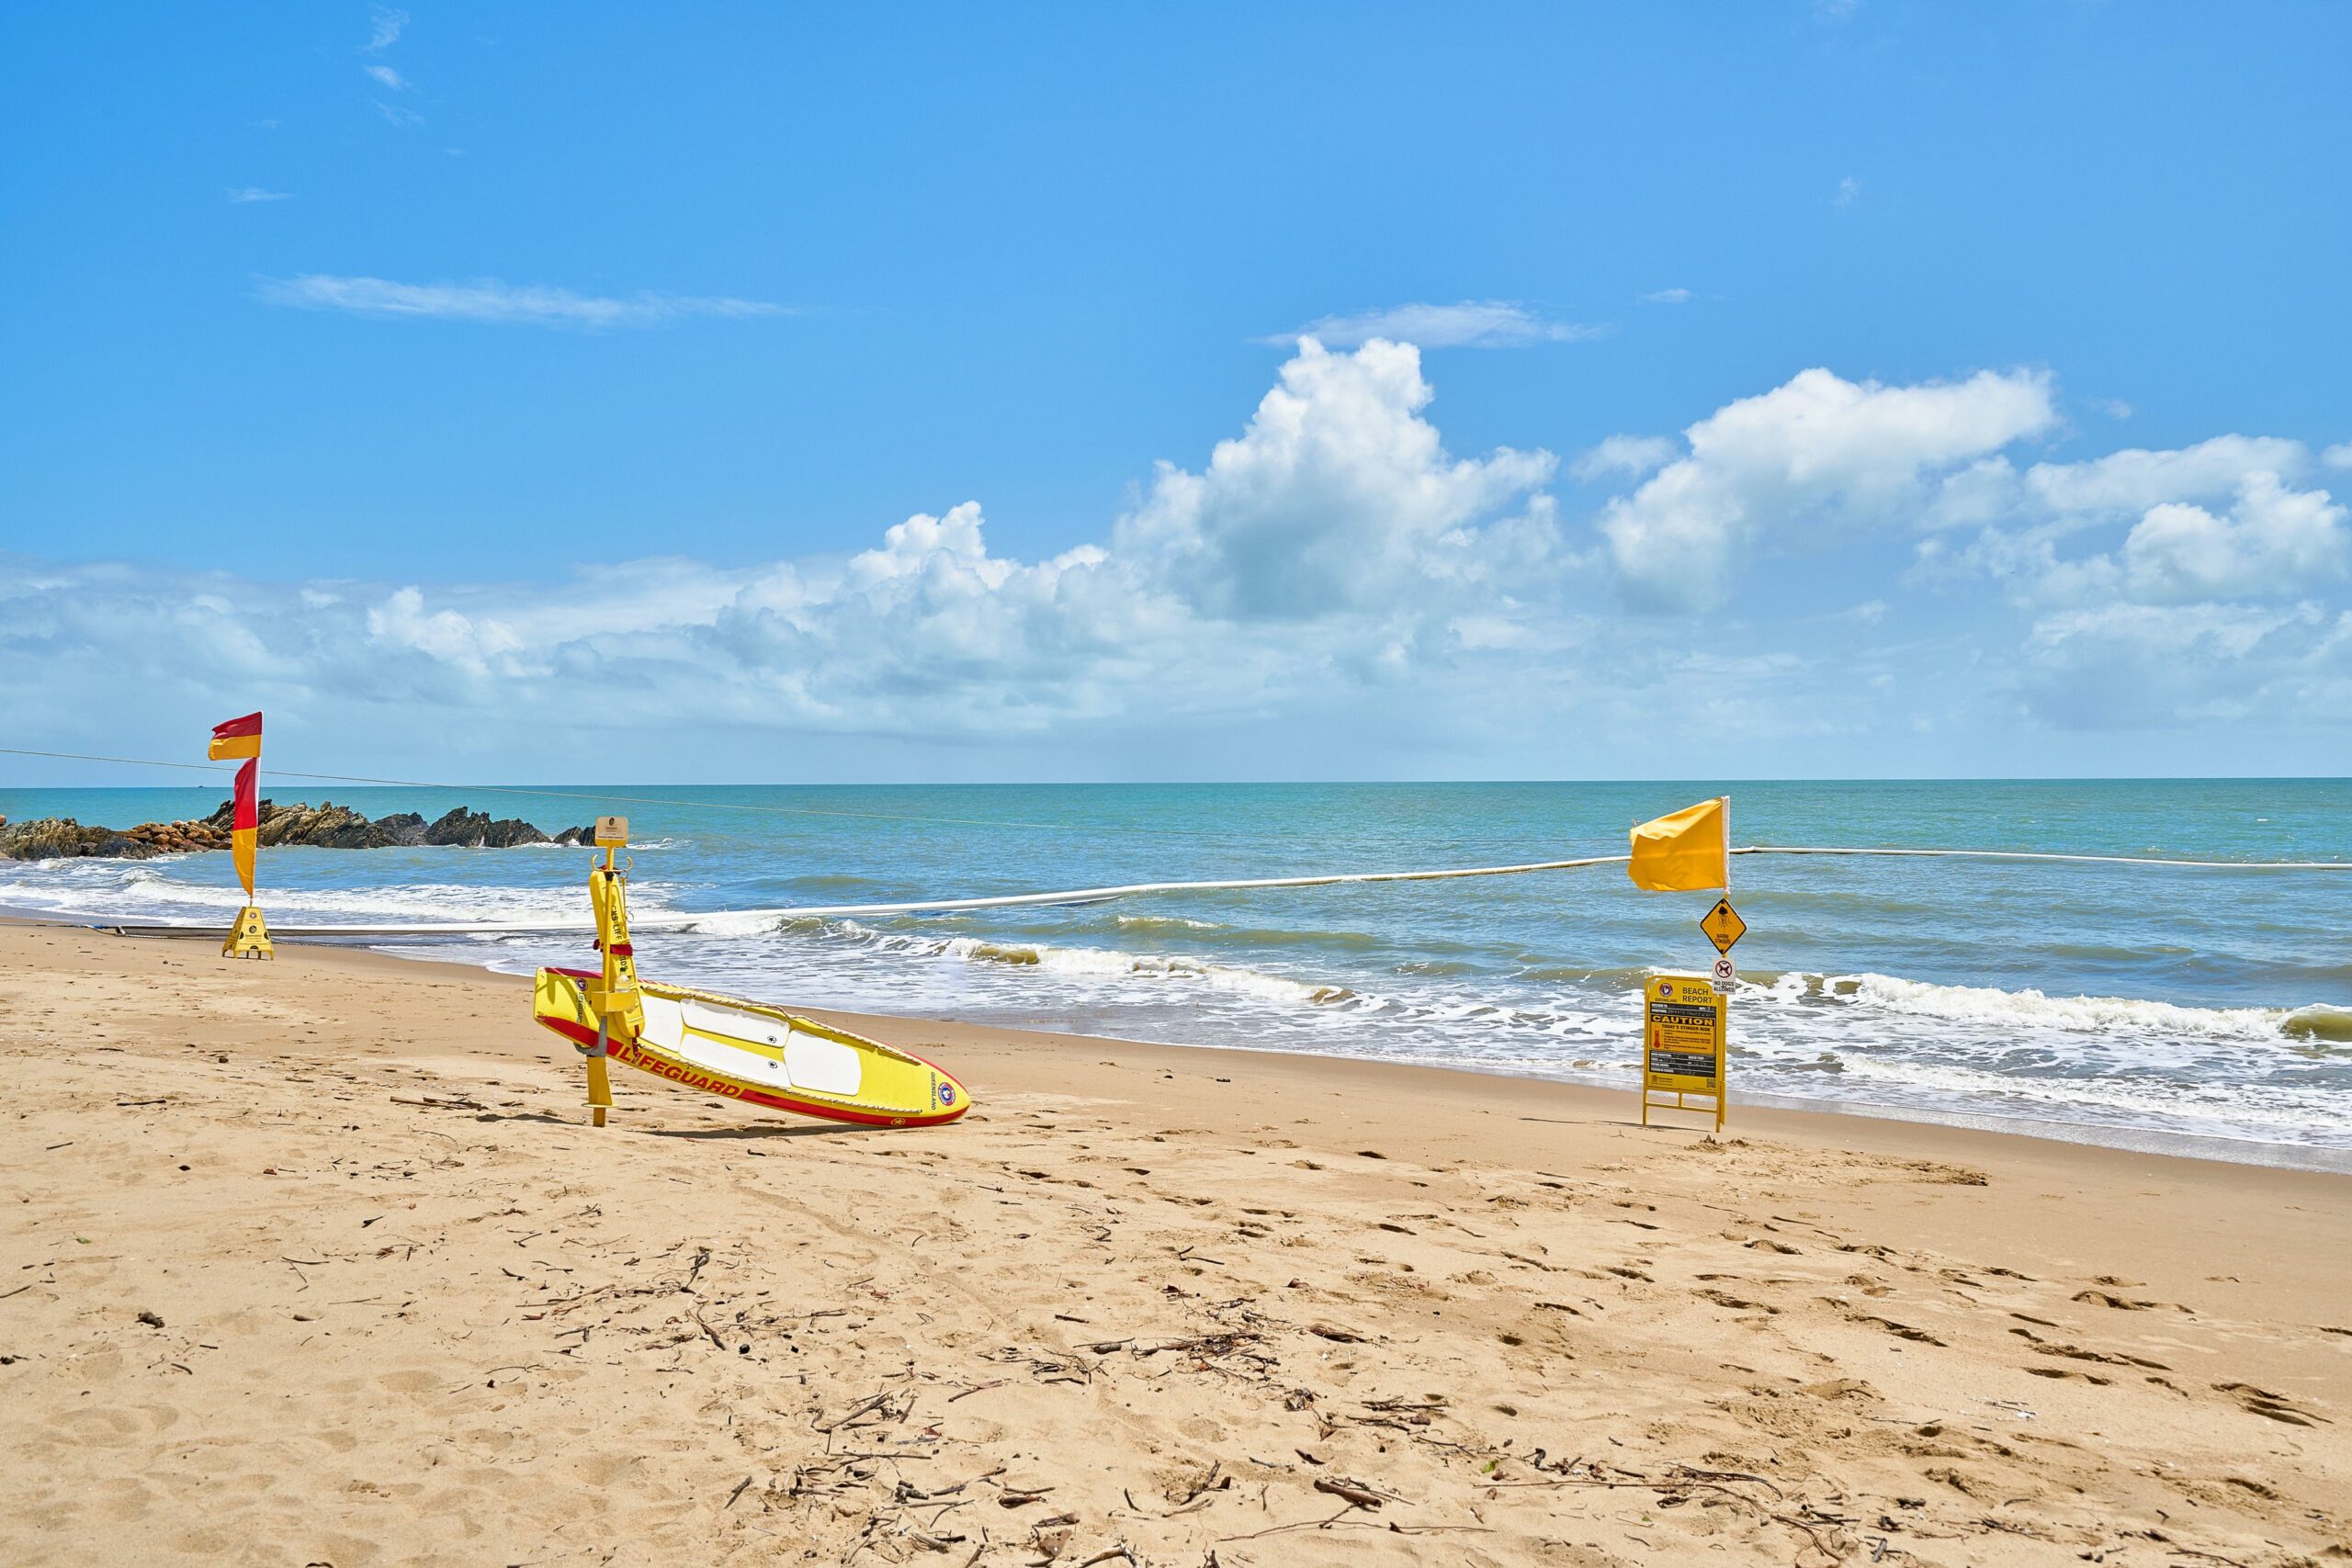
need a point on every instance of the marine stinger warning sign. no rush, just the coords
(1682, 1042)
(1722, 925)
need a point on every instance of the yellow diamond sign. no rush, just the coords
(1722, 925)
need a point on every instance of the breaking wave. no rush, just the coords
(2035, 1011)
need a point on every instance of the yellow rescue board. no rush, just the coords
(760, 1054)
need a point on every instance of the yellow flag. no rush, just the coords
(1684, 850)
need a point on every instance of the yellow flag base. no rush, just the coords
(249, 937)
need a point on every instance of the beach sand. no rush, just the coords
(281, 1286)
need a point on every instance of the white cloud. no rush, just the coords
(2275, 544)
(394, 114)
(1668, 297)
(1329, 589)
(1339, 491)
(489, 299)
(1333, 545)
(387, 77)
(1630, 457)
(2125, 665)
(1815, 452)
(1847, 189)
(385, 25)
(2136, 479)
(2338, 455)
(1473, 324)
(243, 193)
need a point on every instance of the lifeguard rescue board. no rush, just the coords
(761, 1055)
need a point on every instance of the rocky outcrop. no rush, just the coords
(62, 838)
(327, 826)
(323, 826)
(475, 830)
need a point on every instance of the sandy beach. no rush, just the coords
(318, 1262)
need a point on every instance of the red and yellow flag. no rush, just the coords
(1684, 850)
(241, 738)
(238, 737)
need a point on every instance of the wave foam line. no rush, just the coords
(1082, 895)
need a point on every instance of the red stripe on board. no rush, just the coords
(628, 1055)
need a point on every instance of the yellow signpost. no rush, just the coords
(613, 994)
(1683, 1020)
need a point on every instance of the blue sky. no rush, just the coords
(1842, 389)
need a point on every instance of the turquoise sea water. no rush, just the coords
(2105, 999)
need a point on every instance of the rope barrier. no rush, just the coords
(2041, 855)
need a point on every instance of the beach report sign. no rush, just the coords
(1683, 1019)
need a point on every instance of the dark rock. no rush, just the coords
(323, 826)
(586, 834)
(475, 830)
(326, 826)
(62, 838)
(511, 832)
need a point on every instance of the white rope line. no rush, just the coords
(1080, 896)
(2043, 854)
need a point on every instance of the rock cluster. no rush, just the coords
(325, 826)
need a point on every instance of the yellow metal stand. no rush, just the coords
(249, 937)
(1680, 1102)
(618, 1005)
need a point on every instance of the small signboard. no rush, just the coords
(1682, 1042)
(611, 831)
(1722, 925)
(1727, 974)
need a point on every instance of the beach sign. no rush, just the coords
(1683, 1019)
(1722, 925)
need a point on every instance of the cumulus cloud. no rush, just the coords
(1816, 452)
(1338, 491)
(2275, 543)
(1333, 543)
(2136, 479)
(489, 299)
(2338, 455)
(1473, 324)
(1332, 569)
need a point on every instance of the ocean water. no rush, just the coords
(2107, 1003)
